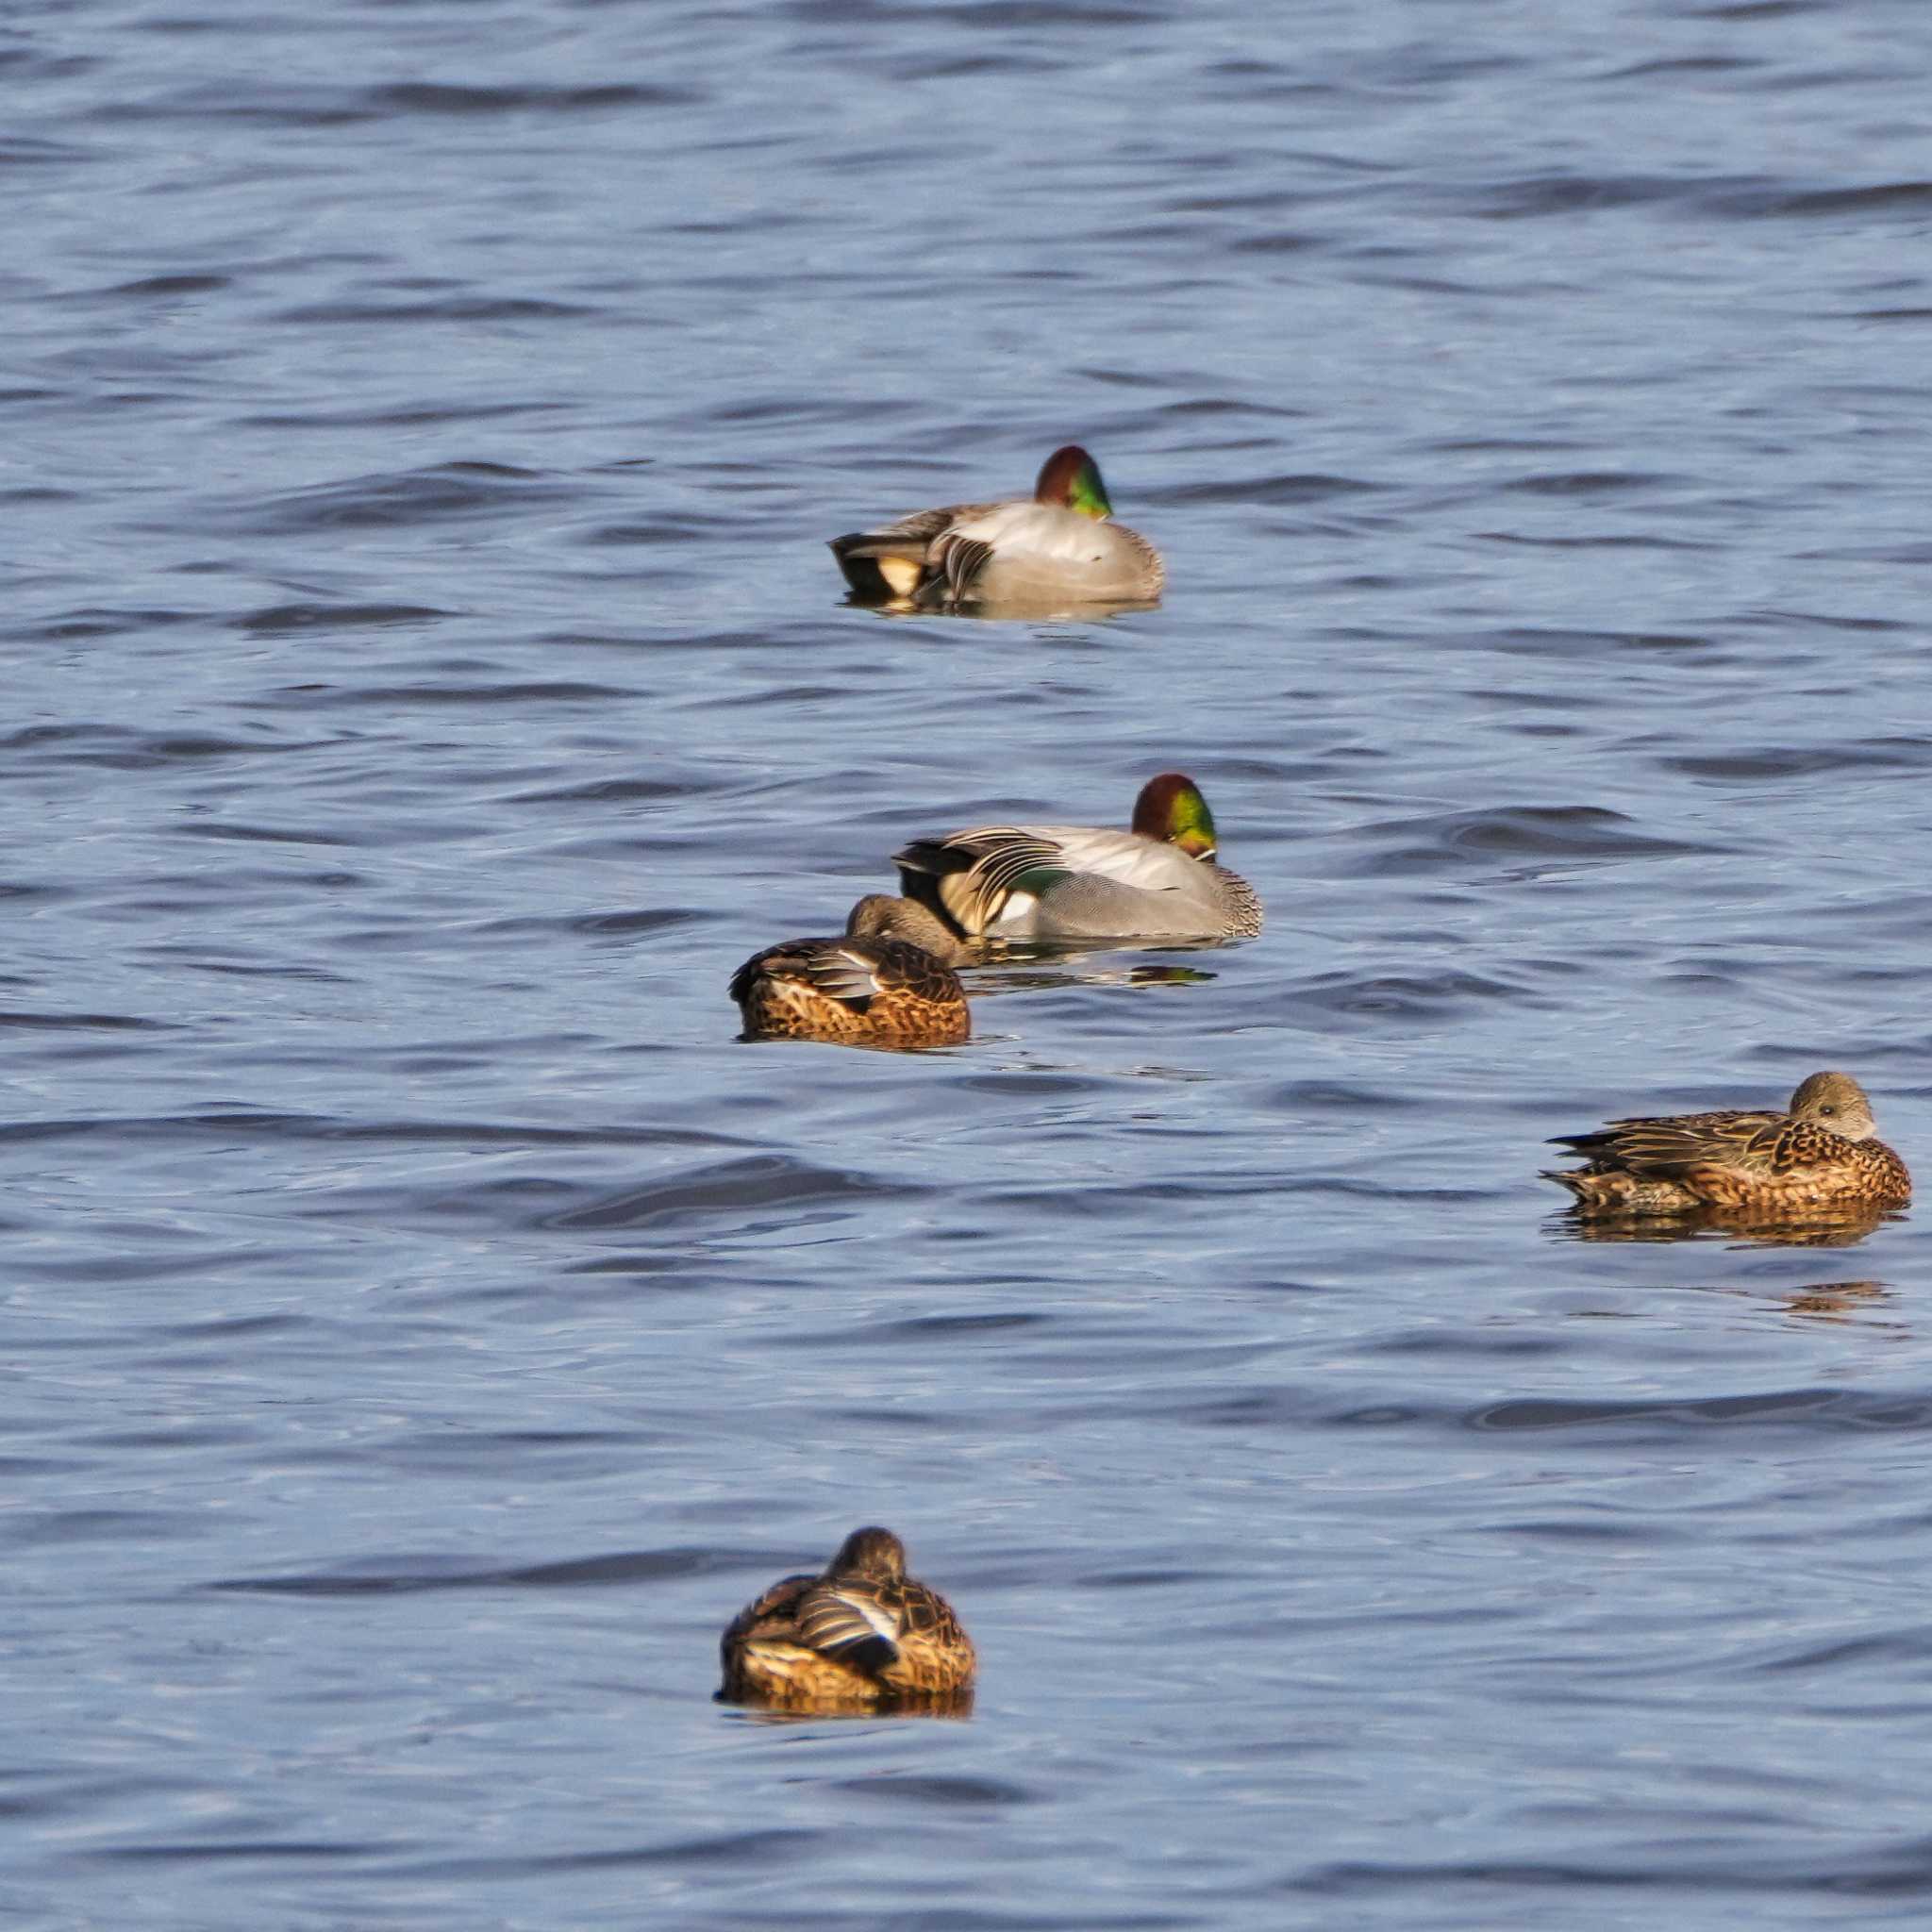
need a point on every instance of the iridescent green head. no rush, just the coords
(1171, 809)
(1070, 478)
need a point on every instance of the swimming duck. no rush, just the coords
(1159, 880)
(1820, 1153)
(1060, 547)
(887, 981)
(860, 1636)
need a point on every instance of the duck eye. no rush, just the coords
(1829, 1108)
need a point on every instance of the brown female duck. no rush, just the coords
(886, 981)
(1821, 1153)
(862, 1636)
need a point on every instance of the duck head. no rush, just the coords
(1070, 479)
(1171, 809)
(871, 1552)
(1838, 1102)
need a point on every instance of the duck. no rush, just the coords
(1058, 546)
(860, 1635)
(1161, 879)
(1822, 1153)
(888, 980)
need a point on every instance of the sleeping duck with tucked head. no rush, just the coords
(1059, 546)
(860, 1635)
(886, 980)
(1161, 878)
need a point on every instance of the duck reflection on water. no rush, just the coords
(1821, 1229)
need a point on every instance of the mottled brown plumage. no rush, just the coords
(1822, 1153)
(863, 1635)
(884, 982)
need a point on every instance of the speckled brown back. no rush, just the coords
(846, 1638)
(1759, 1163)
(873, 991)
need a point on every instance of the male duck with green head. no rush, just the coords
(1161, 879)
(1061, 545)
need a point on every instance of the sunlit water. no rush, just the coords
(427, 1324)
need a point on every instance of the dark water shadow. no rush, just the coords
(995, 952)
(1041, 979)
(1008, 609)
(954, 1705)
(894, 1046)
